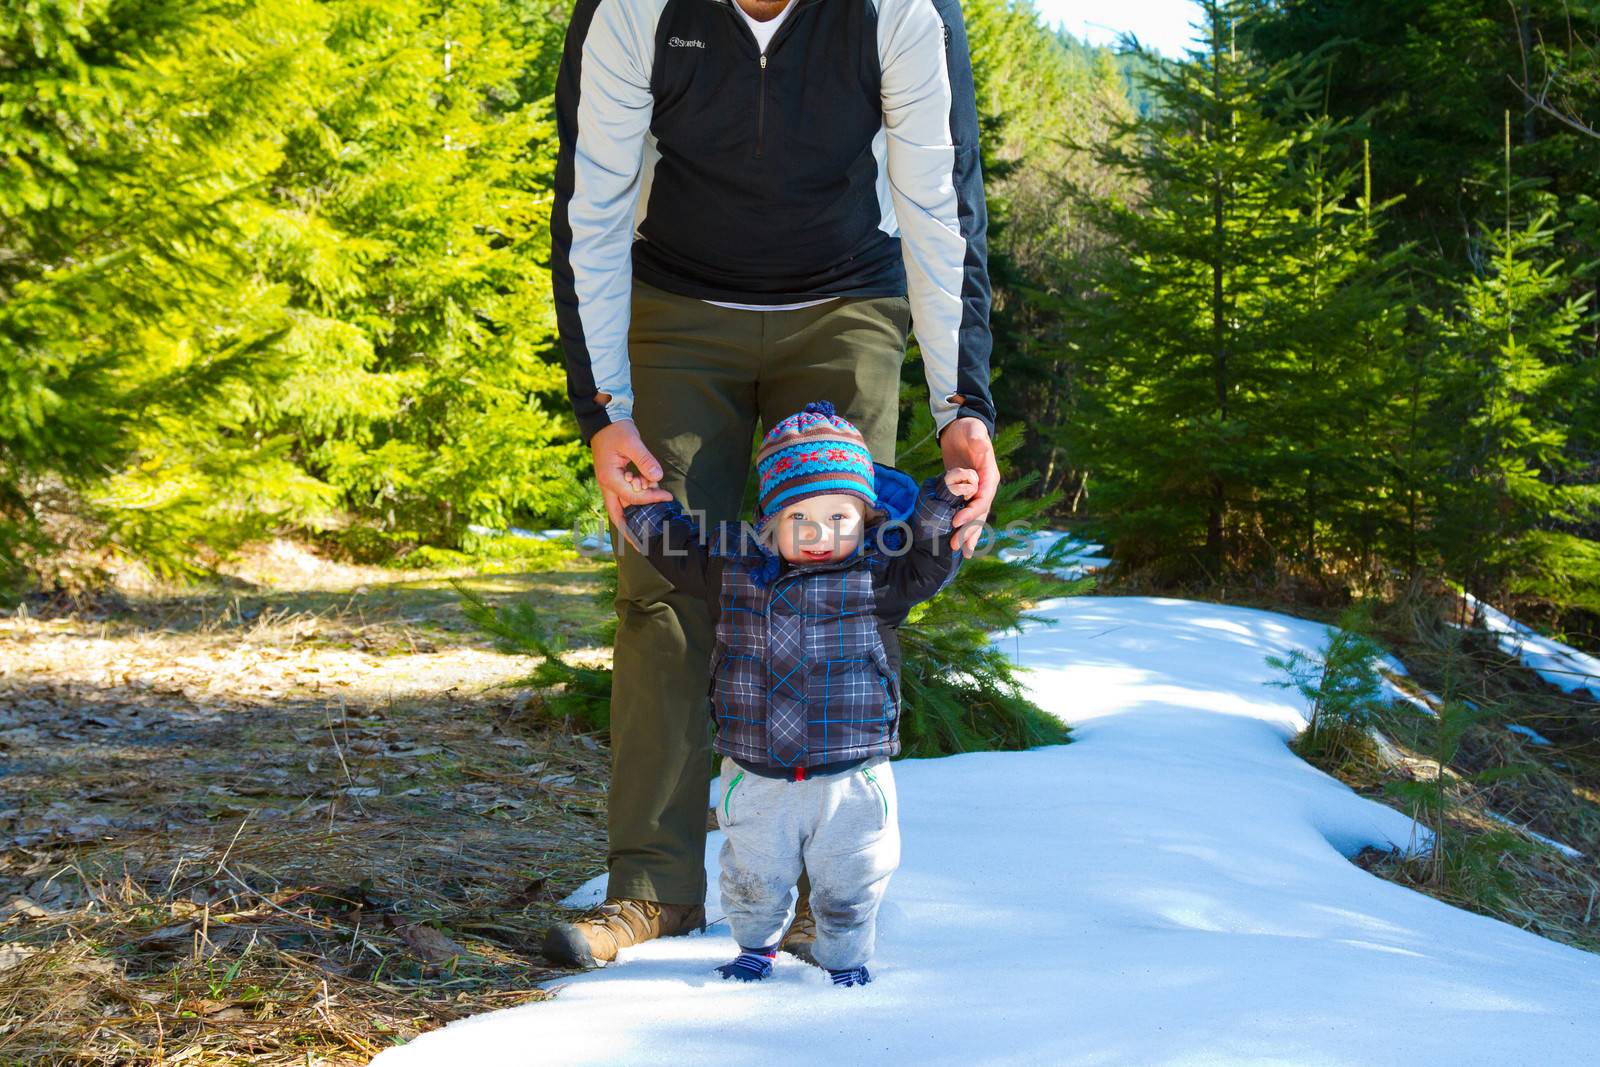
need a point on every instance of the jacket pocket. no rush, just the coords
(889, 680)
(738, 701)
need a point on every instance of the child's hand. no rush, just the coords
(962, 481)
(638, 483)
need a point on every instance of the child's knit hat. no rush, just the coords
(811, 453)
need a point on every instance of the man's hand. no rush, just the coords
(965, 443)
(614, 447)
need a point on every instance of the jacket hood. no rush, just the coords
(897, 493)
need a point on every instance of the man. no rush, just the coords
(754, 199)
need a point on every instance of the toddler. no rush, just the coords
(805, 674)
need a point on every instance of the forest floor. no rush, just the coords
(293, 821)
(302, 816)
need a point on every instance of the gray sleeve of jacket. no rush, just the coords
(603, 110)
(936, 186)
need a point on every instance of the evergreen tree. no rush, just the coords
(412, 222)
(134, 138)
(1037, 91)
(268, 262)
(1324, 502)
(1430, 83)
(1228, 334)
(1505, 377)
(960, 689)
(1343, 690)
(1432, 79)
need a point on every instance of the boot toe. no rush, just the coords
(564, 944)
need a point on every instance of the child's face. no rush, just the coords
(819, 529)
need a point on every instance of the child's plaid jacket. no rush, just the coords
(805, 669)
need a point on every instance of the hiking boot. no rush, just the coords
(802, 933)
(596, 935)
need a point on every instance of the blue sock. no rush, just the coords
(849, 976)
(751, 965)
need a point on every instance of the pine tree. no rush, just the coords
(265, 263)
(1343, 311)
(134, 136)
(959, 689)
(412, 222)
(1505, 342)
(1037, 90)
(1227, 332)
(1342, 689)
(1435, 77)
(1431, 83)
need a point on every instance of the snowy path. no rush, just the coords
(1172, 888)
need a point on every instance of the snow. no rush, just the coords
(1172, 888)
(517, 531)
(1561, 847)
(1533, 736)
(1399, 694)
(1388, 666)
(1077, 561)
(1564, 667)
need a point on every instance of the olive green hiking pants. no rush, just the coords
(702, 378)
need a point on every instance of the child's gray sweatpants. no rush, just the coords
(846, 829)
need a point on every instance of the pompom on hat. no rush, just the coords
(813, 452)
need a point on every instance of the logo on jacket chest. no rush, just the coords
(679, 42)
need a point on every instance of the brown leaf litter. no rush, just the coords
(280, 828)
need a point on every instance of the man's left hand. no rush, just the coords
(965, 443)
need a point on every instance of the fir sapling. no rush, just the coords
(1342, 688)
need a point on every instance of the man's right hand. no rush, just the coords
(615, 445)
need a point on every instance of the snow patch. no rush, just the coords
(1564, 849)
(1564, 667)
(1533, 736)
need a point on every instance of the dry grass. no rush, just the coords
(280, 828)
(1485, 864)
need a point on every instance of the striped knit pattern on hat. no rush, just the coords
(810, 453)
